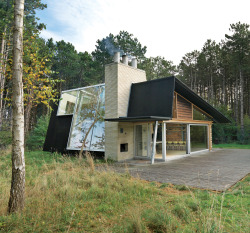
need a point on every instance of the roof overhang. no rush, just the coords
(153, 101)
(138, 119)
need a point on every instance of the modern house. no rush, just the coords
(129, 117)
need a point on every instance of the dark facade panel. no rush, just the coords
(155, 98)
(58, 132)
(152, 98)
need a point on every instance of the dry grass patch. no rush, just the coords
(71, 195)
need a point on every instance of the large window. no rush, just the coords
(88, 120)
(198, 137)
(67, 103)
(176, 139)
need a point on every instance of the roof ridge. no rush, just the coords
(155, 80)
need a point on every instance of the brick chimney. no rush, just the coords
(118, 80)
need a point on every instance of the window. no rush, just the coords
(198, 115)
(88, 120)
(124, 147)
(67, 103)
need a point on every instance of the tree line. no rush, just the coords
(219, 72)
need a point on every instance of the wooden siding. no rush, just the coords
(174, 105)
(184, 109)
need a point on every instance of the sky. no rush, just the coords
(169, 28)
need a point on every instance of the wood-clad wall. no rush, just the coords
(184, 109)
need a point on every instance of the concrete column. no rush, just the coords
(149, 140)
(188, 139)
(164, 153)
(154, 143)
(210, 143)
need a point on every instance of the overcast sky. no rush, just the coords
(168, 28)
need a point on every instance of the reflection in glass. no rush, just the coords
(141, 140)
(67, 103)
(198, 115)
(88, 120)
(198, 137)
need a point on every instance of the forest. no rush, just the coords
(218, 72)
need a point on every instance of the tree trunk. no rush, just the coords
(27, 114)
(212, 86)
(191, 81)
(232, 97)
(2, 73)
(85, 138)
(17, 191)
(223, 89)
(241, 105)
(195, 83)
(236, 100)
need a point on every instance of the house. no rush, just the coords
(129, 117)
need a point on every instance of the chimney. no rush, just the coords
(118, 81)
(125, 59)
(134, 62)
(117, 57)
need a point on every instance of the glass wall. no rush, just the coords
(176, 139)
(67, 103)
(176, 135)
(198, 137)
(88, 120)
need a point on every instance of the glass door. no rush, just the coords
(198, 137)
(158, 152)
(141, 140)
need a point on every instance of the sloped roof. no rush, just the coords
(154, 100)
(187, 93)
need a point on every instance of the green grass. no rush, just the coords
(71, 195)
(231, 146)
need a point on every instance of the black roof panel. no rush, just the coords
(152, 98)
(155, 98)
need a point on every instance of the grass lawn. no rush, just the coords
(231, 146)
(75, 195)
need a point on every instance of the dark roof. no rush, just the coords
(187, 93)
(153, 100)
